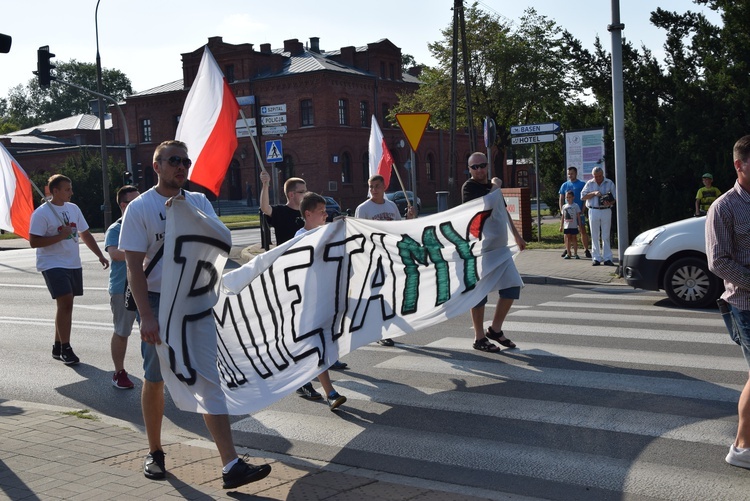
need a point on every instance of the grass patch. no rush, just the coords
(240, 221)
(552, 237)
(82, 414)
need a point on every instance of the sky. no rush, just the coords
(144, 39)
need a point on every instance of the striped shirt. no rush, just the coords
(728, 244)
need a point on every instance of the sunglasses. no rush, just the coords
(478, 166)
(175, 161)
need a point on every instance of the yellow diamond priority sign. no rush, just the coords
(413, 125)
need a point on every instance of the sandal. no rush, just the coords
(484, 345)
(495, 336)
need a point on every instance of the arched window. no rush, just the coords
(429, 167)
(287, 168)
(365, 166)
(346, 168)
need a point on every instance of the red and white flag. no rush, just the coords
(16, 201)
(380, 158)
(207, 125)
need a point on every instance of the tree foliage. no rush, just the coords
(28, 105)
(85, 172)
(682, 114)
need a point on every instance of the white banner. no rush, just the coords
(291, 312)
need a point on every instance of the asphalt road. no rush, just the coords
(612, 394)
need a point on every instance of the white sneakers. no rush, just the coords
(738, 457)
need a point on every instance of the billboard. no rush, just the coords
(584, 150)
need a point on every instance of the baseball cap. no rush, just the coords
(708, 175)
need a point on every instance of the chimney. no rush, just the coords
(293, 47)
(265, 48)
(315, 44)
(347, 55)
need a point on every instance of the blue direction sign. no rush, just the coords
(535, 128)
(274, 153)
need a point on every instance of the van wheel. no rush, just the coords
(689, 283)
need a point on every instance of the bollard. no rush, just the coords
(442, 200)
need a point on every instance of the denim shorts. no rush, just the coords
(738, 324)
(64, 281)
(151, 367)
(509, 293)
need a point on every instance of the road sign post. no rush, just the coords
(535, 134)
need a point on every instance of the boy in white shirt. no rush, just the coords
(313, 210)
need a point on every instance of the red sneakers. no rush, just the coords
(120, 380)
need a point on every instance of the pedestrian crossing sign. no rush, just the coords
(274, 153)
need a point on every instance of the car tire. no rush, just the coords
(689, 283)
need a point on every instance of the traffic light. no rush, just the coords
(44, 66)
(127, 178)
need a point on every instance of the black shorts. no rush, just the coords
(64, 281)
(570, 231)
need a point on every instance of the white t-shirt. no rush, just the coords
(387, 211)
(44, 223)
(144, 224)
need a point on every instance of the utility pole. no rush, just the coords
(618, 116)
(457, 6)
(107, 205)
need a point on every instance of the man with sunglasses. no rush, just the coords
(475, 187)
(285, 219)
(141, 239)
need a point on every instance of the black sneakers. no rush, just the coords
(56, 351)
(335, 400)
(242, 473)
(309, 392)
(153, 466)
(386, 342)
(67, 356)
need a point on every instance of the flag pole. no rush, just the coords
(252, 138)
(403, 190)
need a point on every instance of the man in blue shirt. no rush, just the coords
(122, 318)
(575, 185)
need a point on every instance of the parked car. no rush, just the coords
(673, 258)
(333, 208)
(399, 199)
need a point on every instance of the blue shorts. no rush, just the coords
(509, 293)
(738, 323)
(151, 367)
(64, 281)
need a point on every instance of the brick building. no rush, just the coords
(329, 97)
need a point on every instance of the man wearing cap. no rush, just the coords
(706, 195)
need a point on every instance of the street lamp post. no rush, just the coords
(106, 206)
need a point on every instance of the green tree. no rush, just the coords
(32, 105)
(85, 172)
(519, 73)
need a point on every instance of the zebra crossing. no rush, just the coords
(611, 395)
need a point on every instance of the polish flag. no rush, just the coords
(16, 202)
(380, 158)
(207, 125)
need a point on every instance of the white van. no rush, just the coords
(673, 258)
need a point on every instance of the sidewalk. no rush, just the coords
(49, 452)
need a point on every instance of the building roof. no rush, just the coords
(167, 87)
(37, 141)
(309, 61)
(75, 122)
